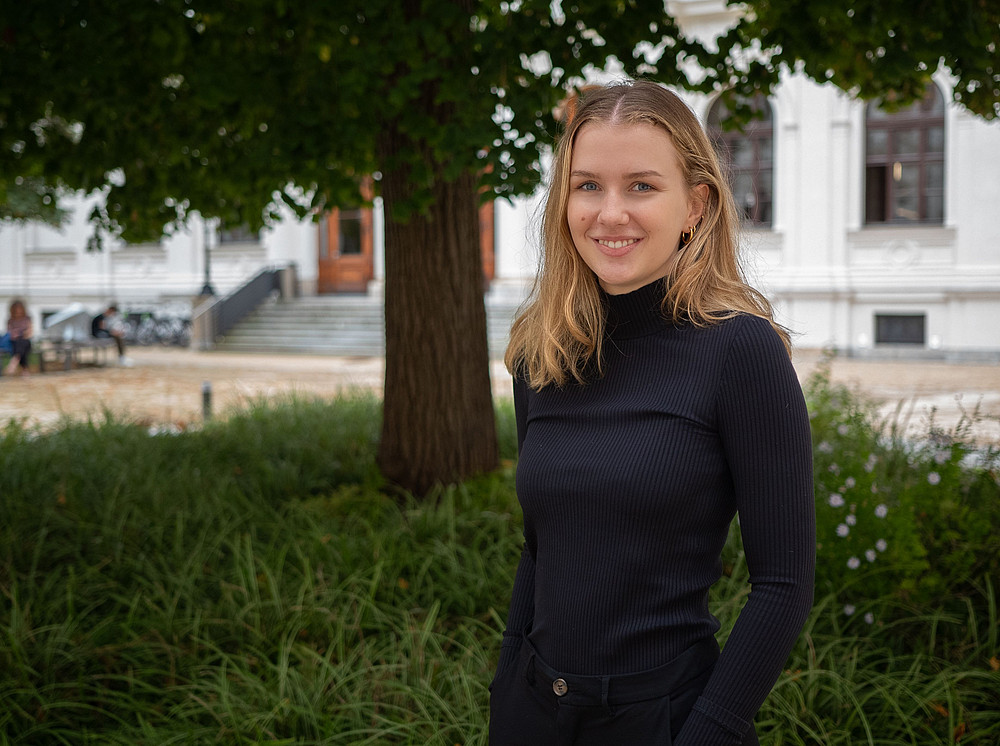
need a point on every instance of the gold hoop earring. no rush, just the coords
(688, 235)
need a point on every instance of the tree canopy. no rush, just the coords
(230, 108)
(884, 50)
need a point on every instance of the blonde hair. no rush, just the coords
(559, 331)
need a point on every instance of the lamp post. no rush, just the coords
(207, 288)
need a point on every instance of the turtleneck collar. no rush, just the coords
(638, 313)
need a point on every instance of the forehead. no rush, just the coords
(623, 147)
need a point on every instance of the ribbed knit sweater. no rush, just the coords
(628, 485)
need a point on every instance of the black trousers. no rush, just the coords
(532, 704)
(21, 350)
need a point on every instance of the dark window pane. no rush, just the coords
(907, 142)
(350, 232)
(878, 142)
(906, 206)
(935, 176)
(875, 184)
(906, 175)
(935, 207)
(935, 140)
(899, 329)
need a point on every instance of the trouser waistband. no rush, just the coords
(622, 688)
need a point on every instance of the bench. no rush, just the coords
(74, 353)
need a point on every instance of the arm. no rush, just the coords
(764, 428)
(522, 602)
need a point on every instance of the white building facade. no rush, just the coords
(872, 234)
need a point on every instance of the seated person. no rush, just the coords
(104, 326)
(19, 337)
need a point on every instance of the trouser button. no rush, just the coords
(559, 687)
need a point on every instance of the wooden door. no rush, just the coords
(345, 251)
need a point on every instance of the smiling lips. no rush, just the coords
(616, 248)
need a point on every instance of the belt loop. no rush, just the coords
(605, 682)
(529, 671)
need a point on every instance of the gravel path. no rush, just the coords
(165, 386)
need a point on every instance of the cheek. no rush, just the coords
(576, 214)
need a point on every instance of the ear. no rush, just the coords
(697, 200)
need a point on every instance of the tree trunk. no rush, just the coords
(438, 424)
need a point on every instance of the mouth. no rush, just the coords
(616, 247)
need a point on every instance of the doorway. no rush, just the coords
(346, 249)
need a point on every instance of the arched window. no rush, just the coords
(904, 162)
(748, 156)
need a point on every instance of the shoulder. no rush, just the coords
(751, 348)
(737, 329)
(748, 329)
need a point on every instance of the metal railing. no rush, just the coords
(213, 319)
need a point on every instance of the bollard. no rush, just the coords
(206, 401)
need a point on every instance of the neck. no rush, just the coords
(638, 313)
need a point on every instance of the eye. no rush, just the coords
(643, 187)
(587, 186)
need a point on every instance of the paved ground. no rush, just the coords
(165, 386)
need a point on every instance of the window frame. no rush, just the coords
(758, 130)
(922, 116)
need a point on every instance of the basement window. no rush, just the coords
(900, 329)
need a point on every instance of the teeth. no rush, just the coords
(618, 244)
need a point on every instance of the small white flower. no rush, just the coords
(870, 463)
(874, 488)
(940, 457)
(881, 510)
(843, 530)
(854, 563)
(833, 469)
(849, 482)
(825, 447)
(848, 609)
(881, 545)
(870, 618)
(836, 501)
(934, 477)
(843, 429)
(851, 520)
(870, 555)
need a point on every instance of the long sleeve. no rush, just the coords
(764, 427)
(522, 603)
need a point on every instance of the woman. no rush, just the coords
(655, 400)
(19, 331)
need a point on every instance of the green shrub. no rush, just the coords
(898, 517)
(250, 583)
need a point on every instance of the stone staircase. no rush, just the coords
(343, 325)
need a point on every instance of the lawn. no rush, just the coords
(255, 581)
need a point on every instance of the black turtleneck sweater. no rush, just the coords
(628, 485)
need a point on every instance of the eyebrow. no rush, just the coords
(633, 175)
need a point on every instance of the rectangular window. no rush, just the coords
(901, 329)
(350, 232)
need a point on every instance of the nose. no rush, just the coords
(613, 209)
